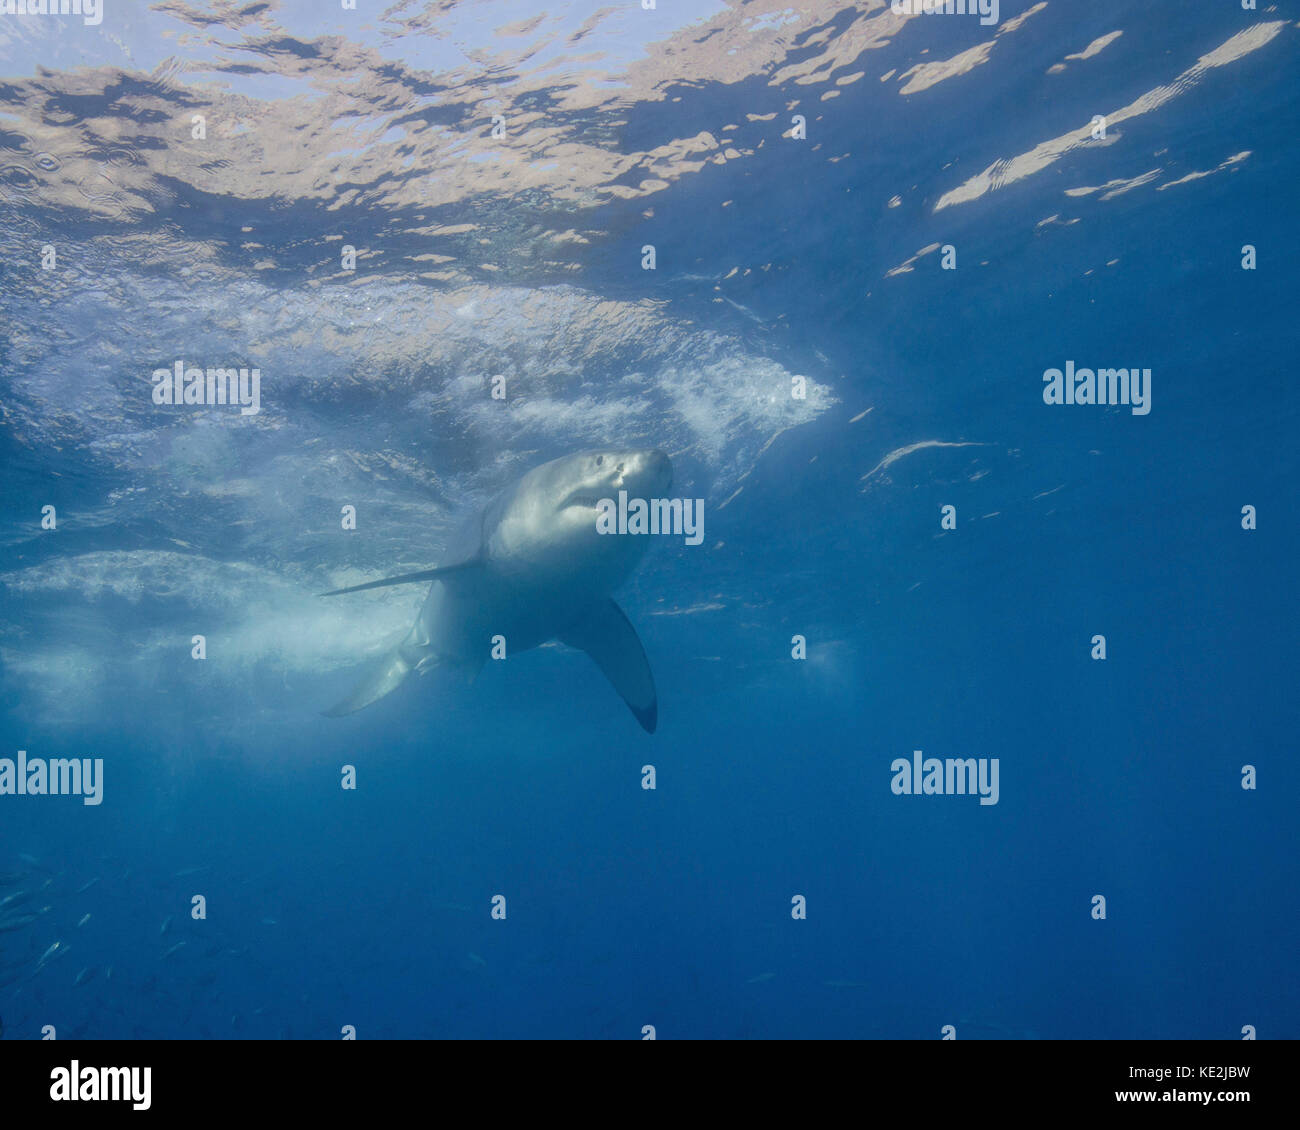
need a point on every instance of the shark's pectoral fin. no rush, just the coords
(411, 578)
(385, 678)
(605, 634)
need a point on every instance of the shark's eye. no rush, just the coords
(599, 460)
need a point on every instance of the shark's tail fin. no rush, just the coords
(388, 676)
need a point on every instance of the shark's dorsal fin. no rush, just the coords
(411, 578)
(605, 634)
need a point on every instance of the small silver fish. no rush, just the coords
(49, 953)
(84, 976)
(84, 919)
(165, 924)
(21, 922)
(171, 951)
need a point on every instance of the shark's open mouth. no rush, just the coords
(588, 500)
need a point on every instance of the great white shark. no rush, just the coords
(532, 567)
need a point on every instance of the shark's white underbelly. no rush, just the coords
(461, 619)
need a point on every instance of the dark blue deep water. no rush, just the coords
(134, 236)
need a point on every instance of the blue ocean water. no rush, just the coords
(919, 215)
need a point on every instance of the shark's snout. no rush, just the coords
(642, 472)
